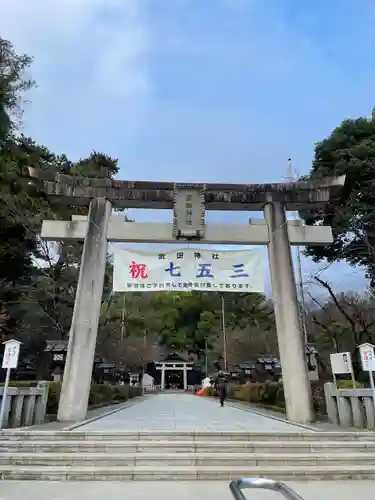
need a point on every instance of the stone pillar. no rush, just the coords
(345, 411)
(41, 402)
(185, 378)
(295, 376)
(370, 415)
(76, 384)
(162, 377)
(16, 414)
(331, 403)
(357, 412)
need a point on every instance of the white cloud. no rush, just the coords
(90, 64)
(95, 49)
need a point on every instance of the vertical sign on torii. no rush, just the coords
(188, 212)
(98, 228)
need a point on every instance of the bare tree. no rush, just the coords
(341, 322)
(357, 313)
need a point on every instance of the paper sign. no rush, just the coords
(341, 363)
(367, 357)
(11, 353)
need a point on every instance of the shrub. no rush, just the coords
(272, 394)
(23, 383)
(269, 393)
(266, 393)
(231, 389)
(122, 392)
(348, 384)
(100, 394)
(133, 392)
(280, 398)
(251, 393)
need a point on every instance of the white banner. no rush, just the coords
(188, 269)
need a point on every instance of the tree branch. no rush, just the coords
(336, 302)
(319, 304)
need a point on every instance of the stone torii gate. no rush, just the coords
(188, 202)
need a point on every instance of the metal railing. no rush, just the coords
(238, 485)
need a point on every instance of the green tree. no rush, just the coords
(16, 243)
(207, 328)
(179, 318)
(96, 165)
(349, 150)
(25, 261)
(54, 290)
(193, 321)
(13, 85)
(38, 280)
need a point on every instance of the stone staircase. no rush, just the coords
(122, 456)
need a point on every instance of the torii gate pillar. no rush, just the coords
(296, 383)
(75, 388)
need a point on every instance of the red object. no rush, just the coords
(201, 392)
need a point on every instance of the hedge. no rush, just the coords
(348, 384)
(100, 394)
(264, 393)
(271, 395)
(23, 383)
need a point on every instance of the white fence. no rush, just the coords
(25, 406)
(157, 388)
(151, 388)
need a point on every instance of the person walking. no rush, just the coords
(221, 387)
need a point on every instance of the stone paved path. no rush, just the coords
(162, 490)
(185, 412)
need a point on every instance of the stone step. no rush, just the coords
(184, 436)
(170, 473)
(176, 446)
(182, 459)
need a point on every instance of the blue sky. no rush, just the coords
(196, 90)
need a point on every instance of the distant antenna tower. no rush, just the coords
(292, 173)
